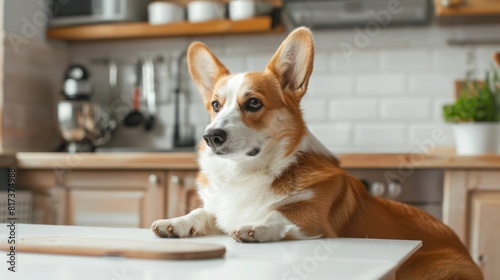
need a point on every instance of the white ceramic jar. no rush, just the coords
(245, 9)
(165, 12)
(200, 11)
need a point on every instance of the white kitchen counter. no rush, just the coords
(339, 258)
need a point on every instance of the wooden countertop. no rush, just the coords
(186, 161)
(107, 161)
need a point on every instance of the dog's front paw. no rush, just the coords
(257, 233)
(174, 228)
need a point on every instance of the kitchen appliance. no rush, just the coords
(76, 83)
(78, 12)
(73, 116)
(365, 14)
(422, 188)
(83, 124)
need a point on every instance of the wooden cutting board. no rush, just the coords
(142, 249)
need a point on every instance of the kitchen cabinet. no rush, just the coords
(182, 196)
(48, 195)
(96, 198)
(471, 209)
(114, 198)
(467, 11)
(7, 160)
(111, 198)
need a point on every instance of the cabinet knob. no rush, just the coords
(377, 189)
(394, 189)
(154, 179)
(481, 259)
(175, 180)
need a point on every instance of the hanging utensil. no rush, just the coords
(183, 135)
(135, 117)
(148, 74)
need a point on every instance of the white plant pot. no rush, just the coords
(473, 139)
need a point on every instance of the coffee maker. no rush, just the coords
(83, 124)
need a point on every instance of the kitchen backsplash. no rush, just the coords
(31, 79)
(366, 94)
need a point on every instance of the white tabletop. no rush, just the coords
(340, 258)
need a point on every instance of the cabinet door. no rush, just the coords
(471, 209)
(182, 196)
(114, 198)
(49, 197)
(485, 227)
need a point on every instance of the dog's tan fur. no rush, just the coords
(340, 206)
(343, 208)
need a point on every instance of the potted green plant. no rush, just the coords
(475, 116)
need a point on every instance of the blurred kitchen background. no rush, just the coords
(99, 116)
(372, 90)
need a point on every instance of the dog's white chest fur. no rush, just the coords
(236, 198)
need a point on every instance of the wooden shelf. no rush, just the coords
(470, 12)
(139, 30)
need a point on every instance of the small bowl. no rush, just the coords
(164, 12)
(200, 11)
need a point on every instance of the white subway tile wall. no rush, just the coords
(432, 84)
(333, 135)
(353, 109)
(381, 84)
(403, 109)
(385, 97)
(314, 110)
(406, 60)
(328, 84)
(390, 137)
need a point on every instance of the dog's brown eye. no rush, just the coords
(253, 105)
(216, 106)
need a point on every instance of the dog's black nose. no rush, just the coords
(215, 137)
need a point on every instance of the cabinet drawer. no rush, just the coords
(112, 179)
(106, 208)
(483, 180)
(38, 180)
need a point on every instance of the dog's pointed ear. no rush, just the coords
(293, 62)
(205, 68)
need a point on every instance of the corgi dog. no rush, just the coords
(264, 178)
